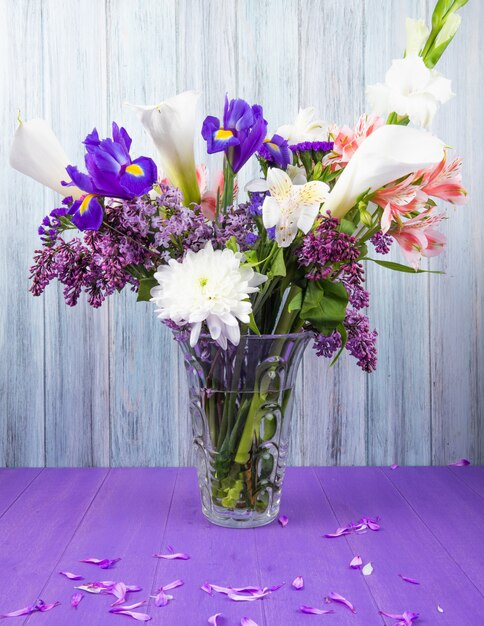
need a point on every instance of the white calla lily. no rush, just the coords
(386, 155)
(171, 125)
(291, 207)
(36, 152)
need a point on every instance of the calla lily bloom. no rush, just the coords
(291, 207)
(386, 155)
(36, 152)
(240, 135)
(171, 125)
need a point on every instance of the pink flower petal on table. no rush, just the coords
(176, 583)
(283, 520)
(173, 556)
(246, 621)
(367, 569)
(394, 466)
(76, 598)
(336, 597)
(119, 592)
(127, 610)
(310, 610)
(25, 611)
(340, 532)
(298, 583)
(161, 598)
(214, 619)
(373, 524)
(102, 563)
(255, 595)
(97, 587)
(405, 619)
(356, 562)
(72, 576)
(460, 463)
(409, 580)
(43, 607)
(207, 587)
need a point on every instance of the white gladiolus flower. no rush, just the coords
(36, 152)
(417, 35)
(171, 125)
(412, 89)
(208, 286)
(306, 127)
(291, 207)
(386, 155)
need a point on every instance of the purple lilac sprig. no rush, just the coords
(381, 242)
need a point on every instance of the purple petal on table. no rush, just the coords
(283, 520)
(140, 617)
(356, 562)
(405, 619)
(76, 598)
(172, 556)
(345, 530)
(371, 523)
(119, 592)
(394, 466)
(214, 619)
(162, 599)
(176, 583)
(25, 611)
(460, 463)
(255, 595)
(246, 621)
(108, 563)
(133, 588)
(298, 583)
(310, 610)
(440, 609)
(367, 569)
(336, 597)
(97, 587)
(274, 587)
(72, 576)
(207, 587)
(41, 606)
(409, 580)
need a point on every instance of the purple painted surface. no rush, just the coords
(432, 526)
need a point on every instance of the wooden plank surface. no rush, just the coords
(12, 484)
(431, 525)
(74, 62)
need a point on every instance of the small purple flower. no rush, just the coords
(314, 146)
(381, 242)
(250, 239)
(276, 150)
(240, 135)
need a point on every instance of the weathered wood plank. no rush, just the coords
(76, 346)
(13, 482)
(21, 316)
(143, 363)
(331, 72)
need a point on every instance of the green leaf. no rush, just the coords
(346, 226)
(398, 267)
(324, 305)
(232, 244)
(344, 338)
(145, 286)
(252, 325)
(296, 303)
(278, 265)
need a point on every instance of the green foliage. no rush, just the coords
(296, 303)
(324, 305)
(398, 267)
(278, 265)
(145, 286)
(445, 23)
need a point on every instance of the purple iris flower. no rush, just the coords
(276, 150)
(240, 135)
(112, 173)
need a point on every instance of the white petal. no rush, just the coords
(285, 234)
(367, 569)
(417, 34)
(279, 183)
(214, 326)
(257, 185)
(195, 333)
(307, 216)
(36, 152)
(271, 212)
(311, 193)
(440, 88)
(233, 334)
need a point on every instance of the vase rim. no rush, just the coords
(298, 335)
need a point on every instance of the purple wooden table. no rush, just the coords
(432, 530)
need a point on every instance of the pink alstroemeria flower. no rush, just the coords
(418, 237)
(398, 199)
(347, 140)
(444, 181)
(209, 196)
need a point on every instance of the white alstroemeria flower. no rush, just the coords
(208, 286)
(36, 152)
(417, 35)
(260, 185)
(291, 207)
(386, 155)
(412, 89)
(171, 125)
(306, 127)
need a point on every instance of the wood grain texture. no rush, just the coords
(106, 387)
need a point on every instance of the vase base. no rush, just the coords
(255, 520)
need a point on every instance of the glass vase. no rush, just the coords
(241, 401)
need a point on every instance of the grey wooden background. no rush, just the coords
(105, 387)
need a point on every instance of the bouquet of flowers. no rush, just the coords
(286, 263)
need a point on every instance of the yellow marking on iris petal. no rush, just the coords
(85, 203)
(221, 133)
(134, 169)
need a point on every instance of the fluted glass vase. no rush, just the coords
(241, 401)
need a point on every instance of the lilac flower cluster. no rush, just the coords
(381, 242)
(315, 146)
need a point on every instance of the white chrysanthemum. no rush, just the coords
(412, 89)
(306, 127)
(207, 286)
(291, 207)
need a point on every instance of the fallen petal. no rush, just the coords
(162, 599)
(336, 597)
(140, 617)
(310, 610)
(298, 582)
(119, 591)
(283, 520)
(356, 562)
(25, 611)
(172, 556)
(72, 576)
(460, 463)
(405, 619)
(97, 587)
(173, 585)
(371, 523)
(76, 598)
(207, 587)
(340, 532)
(394, 466)
(440, 609)
(409, 580)
(43, 607)
(246, 621)
(249, 598)
(214, 619)
(102, 563)
(367, 569)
